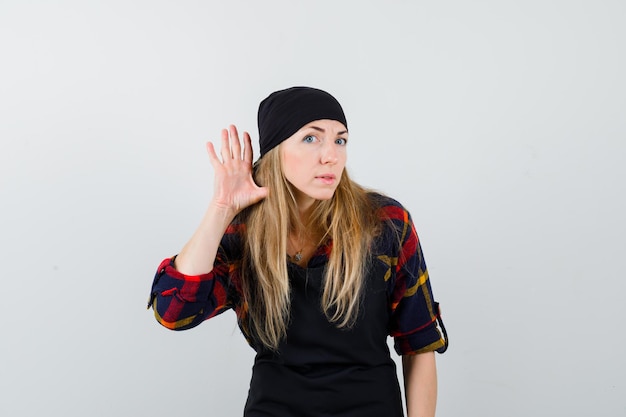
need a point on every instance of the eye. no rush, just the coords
(341, 141)
(309, 139)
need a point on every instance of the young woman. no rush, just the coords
(319, 271)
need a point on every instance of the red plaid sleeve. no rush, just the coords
(183, 301)
(414, 313)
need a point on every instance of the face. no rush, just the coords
(313, 160)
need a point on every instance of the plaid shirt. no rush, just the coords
(184, 301)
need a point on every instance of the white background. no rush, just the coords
(499, 124)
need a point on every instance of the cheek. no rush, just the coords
(292, 165)
(342, 159)
(295, 160)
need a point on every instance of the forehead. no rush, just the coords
(326, 125)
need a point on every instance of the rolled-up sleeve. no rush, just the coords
(415, 315)
(183, 301)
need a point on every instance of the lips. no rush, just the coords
(327, 178)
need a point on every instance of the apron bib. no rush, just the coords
(320, 370)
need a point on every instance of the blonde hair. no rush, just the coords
(349, 219)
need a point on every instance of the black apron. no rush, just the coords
(320, 370)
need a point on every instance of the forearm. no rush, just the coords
(420, 384)
(198, 255)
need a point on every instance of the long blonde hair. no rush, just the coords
(349, 219)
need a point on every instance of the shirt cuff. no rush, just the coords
(427, 339)
(169, 282)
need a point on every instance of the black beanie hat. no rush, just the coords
(284, 112)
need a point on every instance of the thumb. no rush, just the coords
(261, 193)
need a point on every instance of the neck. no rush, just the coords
(304, 203)
(301, 244)
(304, 212)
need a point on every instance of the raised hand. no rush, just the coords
(234, 187)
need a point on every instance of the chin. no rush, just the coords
(324, 195)
(313, 193)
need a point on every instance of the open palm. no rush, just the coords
(234, 187)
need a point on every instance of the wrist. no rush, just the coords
(220, 213)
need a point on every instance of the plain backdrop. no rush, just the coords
(499, 124)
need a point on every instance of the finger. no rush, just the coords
(235, 145)
(225, 151)
(247, 148)
(215, 161)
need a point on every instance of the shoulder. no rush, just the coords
(389, 208)
(396, 225)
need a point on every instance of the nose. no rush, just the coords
(329, 153)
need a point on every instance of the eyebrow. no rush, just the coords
(319, 129)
